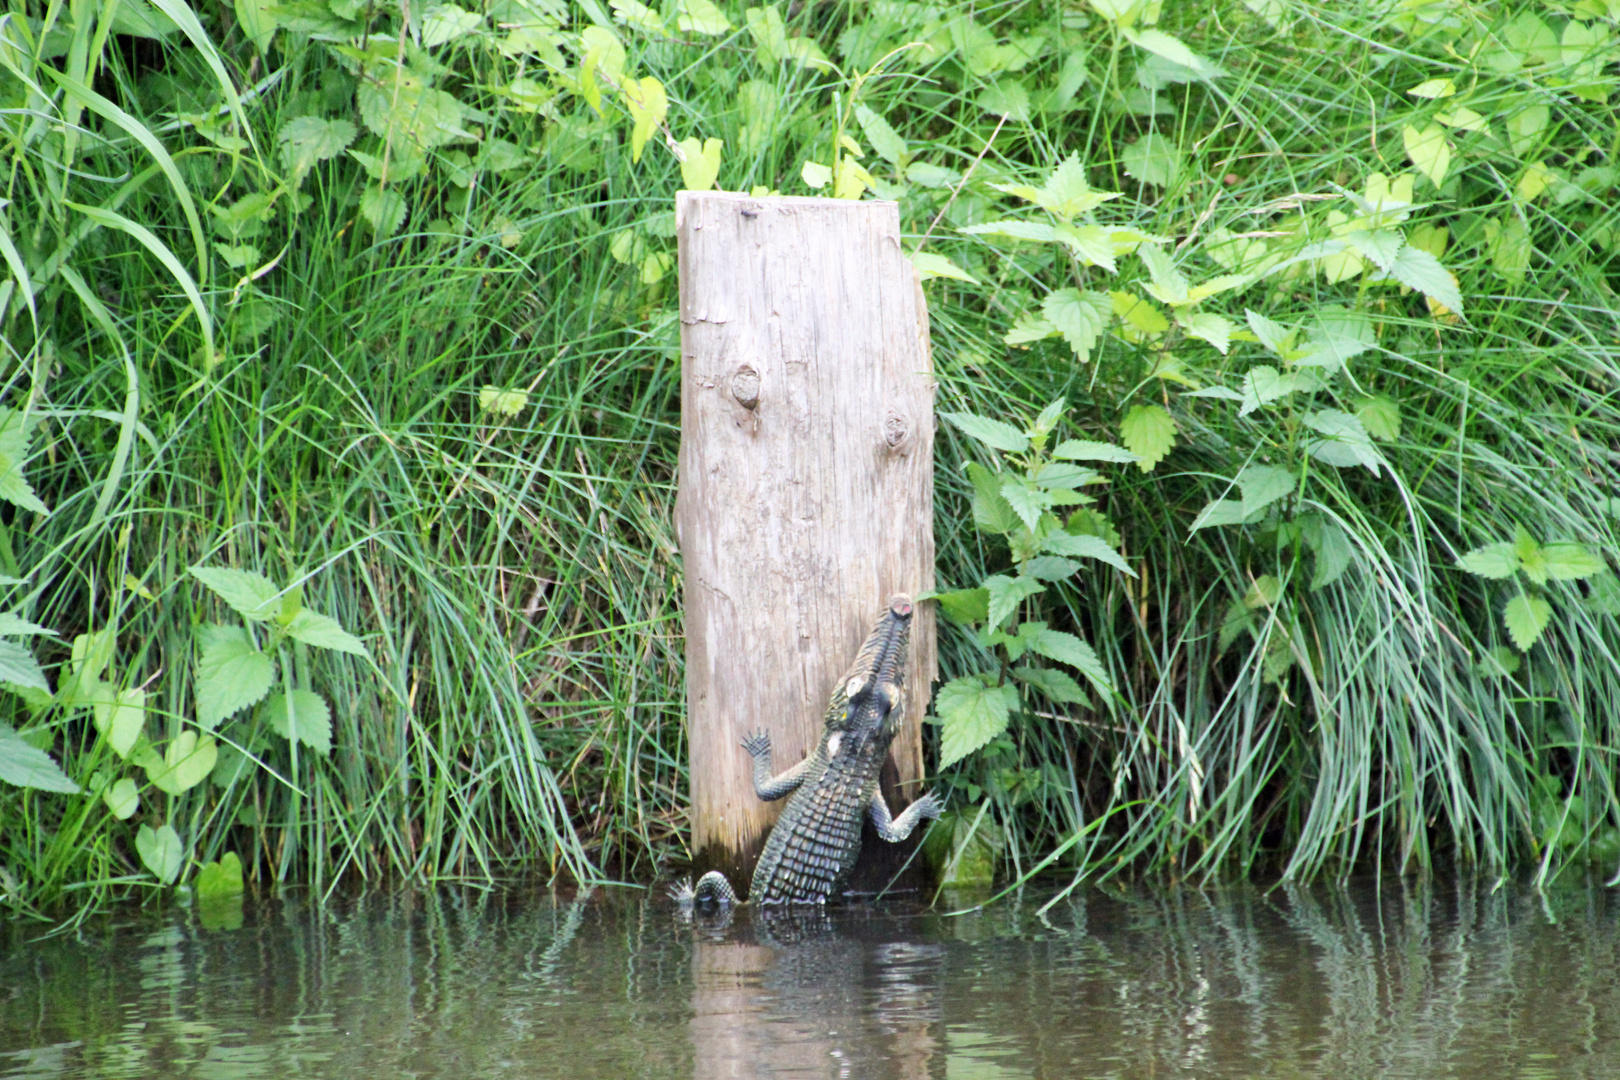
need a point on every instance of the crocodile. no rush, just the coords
(811, 852)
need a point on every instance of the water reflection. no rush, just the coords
(1401, 982)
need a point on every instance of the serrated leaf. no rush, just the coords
(1417, 269)
(301, 715)
(971, 714)
(253, 596)
(1006, 593)
(1087, 450)
(1428, 150)
(1083, 546)
(1494, 561)
(1263, 485)
(1333, 555)
(990, 511)
(1273, 335)
(161, 851)
(306, 140)
(18, 666)
(1211, 328)
(1571, 562)
(1029, 327)
(444, 23)
(993, 433)
(1344, 441)
(122, 798)
(1079, 317)
(1264, 592)
(14, 437)
(1262, 385)
(1381, 417)
(1006, 97)
(930, 266)
(1067, 649)
(383, 208)
(186, 762)
(1499, 662)
(966, 606)
(1061, 476)
(324, 632)
(1092, 243)
(1380, 246)
(1054, 685)
(1174, 50)
(1148, 432)
(884, 139)
(1037, 231)
(30, 767)
(1051, 568)
(1027, 501)
(1526, 618)
(14, 625)
(1152, 159)
(1219, 512)
(232, 673)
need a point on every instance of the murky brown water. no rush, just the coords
(1236, 983)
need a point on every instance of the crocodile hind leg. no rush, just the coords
(711, 886)
(770, 788)
(897, 829)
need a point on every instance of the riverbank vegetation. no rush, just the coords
(340, 414)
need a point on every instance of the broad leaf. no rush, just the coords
(186, 762)
(1006, 593)
(1053, 684)
(1262, 385)
(14, 437)
(306, 140)
(1333, 554)
(444, 23)
(18, 666)
(324, 632)
(1085, 547)
(1153, 159)
(29, 767)
(930, 266)
(991, 511)
(1381, 417)
(1211, 328)
(1273, 336)
(1417, 269)
(1148, 432)
(220, 880)
(1086, 450)
(302, 716)
(1495, 561)
(1571, 562)
(884, 139)
(1263, 485)
(383, 208)
(120, 716)
(1345, 441)
(253, 596)
(1080, 317)
(232, 673)
(1428, 150)
(971, 714)
(1068, 649)
(14, 625)
(1028, 501)
(162, 852)
(1526, 617)
(1219, 512)
(993, 433)
(122, 798)
(967, 606)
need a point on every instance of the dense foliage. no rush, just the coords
(1278, 342)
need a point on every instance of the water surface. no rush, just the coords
(1406, 981)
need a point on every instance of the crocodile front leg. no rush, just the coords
(770, 788)
(895, 830)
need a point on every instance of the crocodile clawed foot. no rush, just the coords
(757, 744)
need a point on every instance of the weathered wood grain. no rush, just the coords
(806, 483)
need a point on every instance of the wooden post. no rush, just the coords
(806, 486)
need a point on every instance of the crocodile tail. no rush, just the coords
(714, 886)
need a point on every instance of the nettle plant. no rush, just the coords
(1021, 500)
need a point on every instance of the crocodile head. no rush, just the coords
(864, 714)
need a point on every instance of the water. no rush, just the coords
(1445, 981)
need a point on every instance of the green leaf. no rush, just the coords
(884, 139)
(162, 852)
(1006, 97)
(1604, 598)
(1344, 441)
(1333, 555)
(1211, 328)
(701, 17)
(1172, 49)
(220, 880)
(122, 798)
(1526, 617)
(14, 437)
(1080, 317)
(1381, 417)
(700, 167)
(1571, 562)
(967, 606)
(1417, 269)
(302, 716)
(1006, 594)
(1494, 561)
(14, 625)
(120, 716)
(992, 433)
(1262, 385)
(1028, 501)
(383, 208)
(186, 762)
(1068, 649)
(444, 23)
(991, 513)
(1038, 231)
(253, 596)
(1053, 684)
(1061, 476)
(1428, 150)
(1148, 432)
(18, 666)
(1499, 662)
(1524, 128)
(29, 767)
(307, 139)
(232, 673)
(930, 266)
(1051, 568)
(324, 632)
(971, 713)
(1263, 485)
(1265, 591)
(1273, 335)
(1219, 512)
(1085, 547)
(1153, 159)
(1086, 450)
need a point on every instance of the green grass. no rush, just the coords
(516, 580)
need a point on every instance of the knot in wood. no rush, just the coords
(745, 387)
(896, 430)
